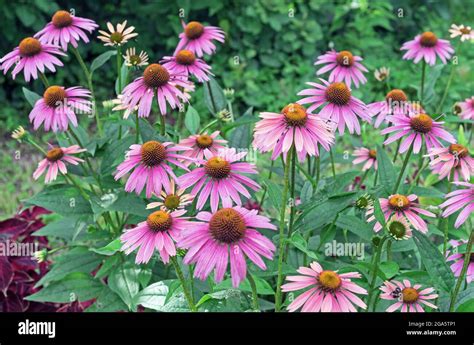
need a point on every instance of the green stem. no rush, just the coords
(395, 156)
(318, 171)
(119, 75)
(448, 84)
(292, 197)
(467, 259)
(374, 271)
(74, 182)
(162, 125)
(35, 144)
(44, 79)
(332, 163)
(254, 292)
(422, 90)
(91, 87)
(278, 294)
(137, 129)
(180, 275)
(363, 178)
(213, 122)
(445, 220)
(405, 163)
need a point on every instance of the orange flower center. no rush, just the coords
(61, 19)
(329, 280)
(194, 30)
(54, 154)
(54, 96)
(295, 114)
(185, 57)
(172, 201)
(421, 123)
(373, 154)
(153, 153)
(227, 226)
(398, 202)
(159, 221)
(30, 46)
(396, 95)
(410, 295)
(156, 75)
(458, 150)
(338, 93)
(428, 39)
(204, 141)
(345, 58)
(217, 167)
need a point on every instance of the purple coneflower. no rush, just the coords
(228, 235)
(202, 143)
(344, 67)
(409, 298)
(185, 63)
(395, 102)
(466, 109)
(458, 259)
(364, 155)
(55, 161)
(455, 159)
(427, 46)
(461, 199)
(198, 38)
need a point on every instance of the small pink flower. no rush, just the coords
(401, 205)
(467, 109)
(461, 199)
(55, 161)
(199, 144)
(344, 67)
(66, 28)
(220, 179)
(409, 298)
(150, 162)
(416, 128)
(454, 158)
(292, 126)
(31, 56)
(198, 38)
(185, 63)
(363, 155)
(156, 80)
(458, 259)
(160, 230)
(427, 46)
(340, 107)
(58, 107)
(228, 235)
(329, 291)
(395, 102)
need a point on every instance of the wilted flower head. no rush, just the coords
(132, 59)
(117, 36)
(382, 73)
(465, 32)
(19, 133)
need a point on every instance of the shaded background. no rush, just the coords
(267, 57)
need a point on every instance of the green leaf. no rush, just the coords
(148, 132)
(30, 96)
(274, 194)
(154, 296)
(102, 59)
(110, 249)
(299, 242)
(124, 282)
(76, 260)
(75, 286)
(263, 287)
(107, 301)
(389, 268)
(109, 263)
(61, 199)
(306, 192)
(434, 262)
(214, 96)
(129, 203)
(387, 173)
(378, 213)
(192, 120)
(114, 153)
(224, 300)
(355, 225)
(66, 228)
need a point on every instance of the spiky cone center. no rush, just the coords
(159, 221)
(227, 226)
(217, 167)
(397, 229)
(29, 46)
(153, 153)
(410, 295)
(204, 141)
(54, 154)
(329, 280)
(345, 58)
(338, 93)
(135, 60)
(465, 31)
(363, 202)
(62, 19)
(295, 114)
(116, 37)
(458, 151)
(54, 96)
(396, 95)
(185, 57)
(398, 202)
(428, 39)
(421, 123)
(172, 201)
(194, 30)
(373, 154)
(156, 75)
